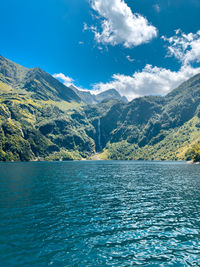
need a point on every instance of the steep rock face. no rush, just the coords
(128, 121)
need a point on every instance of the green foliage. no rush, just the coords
(41, 118)
(172, 146)
(193, 153)
(119, 151)
(13, 145)
(64, 155)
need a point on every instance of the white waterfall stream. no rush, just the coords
(99, 134)
(34, 115)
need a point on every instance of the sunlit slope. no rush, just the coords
(173, 147)
(35, 116)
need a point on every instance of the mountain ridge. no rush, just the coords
(42, 119)
(90, 98)
(34, 80)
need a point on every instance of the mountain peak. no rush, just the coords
(11, 73)
(110, 94)
(35, 80)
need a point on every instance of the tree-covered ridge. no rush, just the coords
(40, 118)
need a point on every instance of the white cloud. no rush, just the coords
(130, 59)
(160, 81)
(91, 28)
(184, 47)
(150, 81)
(65, 79)
(155, 80)
(120, 25)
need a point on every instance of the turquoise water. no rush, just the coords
(99, 214)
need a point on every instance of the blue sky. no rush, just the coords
(132, 45)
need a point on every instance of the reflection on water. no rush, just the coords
(99, 214)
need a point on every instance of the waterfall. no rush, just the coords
(34, 115)
(99, 134)
(22, 133)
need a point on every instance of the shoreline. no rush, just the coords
(96, 158)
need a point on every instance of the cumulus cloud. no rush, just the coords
(65, 79)
(120, 25)
(153, 80)
(160, 81)
(184, 47)
(150, 81)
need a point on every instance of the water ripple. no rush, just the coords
(99, 214)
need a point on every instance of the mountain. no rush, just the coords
(89, 98)
(35, 116)
(36, 82)
(110, 94)
(10, 72)
(155, 127)
(86, 96)
(40, 118)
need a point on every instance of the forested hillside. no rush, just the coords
(42, 119)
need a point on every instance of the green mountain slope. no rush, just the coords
(32, 102)
(40, 118)
(34, 82)
(153, 123)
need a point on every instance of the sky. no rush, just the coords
(138, 47)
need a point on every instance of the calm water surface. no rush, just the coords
(99, 214)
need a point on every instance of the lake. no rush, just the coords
(99, 213)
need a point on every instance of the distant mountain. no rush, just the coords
(89, 98)
(42, 119)
(86, 96)
(110, 94)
